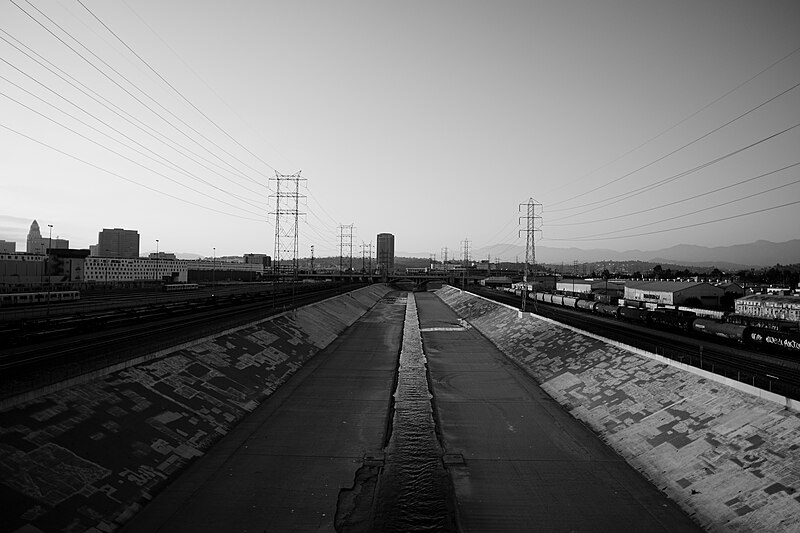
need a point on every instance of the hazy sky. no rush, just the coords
(429, 120)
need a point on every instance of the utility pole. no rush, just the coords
(465, 250)
(287, 212)
(363, 257)
(312, 259)
(574, 273)
(530, 248)
(370, 258)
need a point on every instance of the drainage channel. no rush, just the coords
(414, 490)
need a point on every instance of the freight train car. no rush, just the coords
(633, 314)
(672, 318)
(708, 326)
(773, 339)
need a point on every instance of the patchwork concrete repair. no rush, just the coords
(85, 458)
(728, 457)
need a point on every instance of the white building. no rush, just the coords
(770, 306)
(588, 286)
(673, 292)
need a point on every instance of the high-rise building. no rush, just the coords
(385, 254)
(118, 242)
(39, 245)
(35, 244)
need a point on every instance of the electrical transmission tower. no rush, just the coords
(444, 258)
(363, 256)
(345, 241)
(287, 212)
(530, 248)
(465, 251)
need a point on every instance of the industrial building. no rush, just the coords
(614, 288)
(118, 242)
(385, 254)
(8, 247)
(770, 306)
(688, 293)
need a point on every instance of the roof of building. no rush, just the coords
(665, 286)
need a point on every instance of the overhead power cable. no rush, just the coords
(200, 79)
(165, 162)
(121, 113)
(685, 119)
(662, 206)
(120, 176)
(703, 210)
(627, 195)
(762, 104)
(177, 182)
(176, 91)
(686, 226)
(129, 93)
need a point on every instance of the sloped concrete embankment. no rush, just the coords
(85, 458)
(730, 458)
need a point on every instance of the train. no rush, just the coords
(174, 287)
(13, 299)
(752, 331)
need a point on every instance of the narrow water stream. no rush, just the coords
(414, 492)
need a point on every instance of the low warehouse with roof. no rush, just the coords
(689, 293)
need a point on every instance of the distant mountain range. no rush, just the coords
(756, 254)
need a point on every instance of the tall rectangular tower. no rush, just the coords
(118, 242)
(385, 254)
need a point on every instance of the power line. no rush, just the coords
(76, 158)
(122, 155)
(145, 105)
(121, 113)
(694, 197)
(692, 115)
(183, 97)
(164, 161)
(672, 152)
(686, 226)
(703, 210)
(627, 195)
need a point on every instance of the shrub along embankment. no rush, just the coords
(85, 458)
(730, 458)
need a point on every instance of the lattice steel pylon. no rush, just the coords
(345, 241)
(287, 213)
(530, 248)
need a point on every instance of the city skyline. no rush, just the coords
(430, 122)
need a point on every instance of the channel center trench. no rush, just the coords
(413, 491)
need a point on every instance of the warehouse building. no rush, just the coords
(591, 286)
(770, 306)
(688, 293)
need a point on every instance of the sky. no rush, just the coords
(636, 124)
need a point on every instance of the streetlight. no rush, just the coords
(213, 270)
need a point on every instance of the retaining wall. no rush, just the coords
(726, 456)
(85, 458)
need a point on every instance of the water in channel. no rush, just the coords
(414, 492)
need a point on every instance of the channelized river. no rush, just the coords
(414, 491)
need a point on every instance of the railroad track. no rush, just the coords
(24, 368)
(777, 373)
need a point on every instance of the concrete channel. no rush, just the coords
(288, 425)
